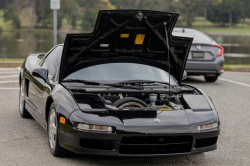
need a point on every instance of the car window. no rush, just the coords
(52, 60)
(198, 36)
(121, 72)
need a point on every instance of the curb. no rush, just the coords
(240, 68)
(9, 64)
(227, 34)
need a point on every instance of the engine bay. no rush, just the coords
(134, 100)
(142, 100)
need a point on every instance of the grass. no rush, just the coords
(243, 65)
(224, 30)
(215, 28)
(228, 67)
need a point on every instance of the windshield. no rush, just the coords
(115, 72)
(198, 37)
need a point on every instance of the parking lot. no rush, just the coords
(24, 142)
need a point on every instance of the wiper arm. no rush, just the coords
(98, 83)
(125, 86)
(82, 81)
(141, 81)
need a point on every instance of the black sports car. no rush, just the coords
(118, 91)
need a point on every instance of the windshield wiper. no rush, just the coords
(82, 81)
(117, 85)
(141, 81)
(98, 83)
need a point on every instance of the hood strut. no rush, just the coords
(168, 62)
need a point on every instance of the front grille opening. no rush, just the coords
(155, 139)
(97, 144)
(205, 142)
(155, 145)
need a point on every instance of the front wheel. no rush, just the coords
(55, 148)
(211, 79)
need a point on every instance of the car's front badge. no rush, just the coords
(139, 38)
(198, 47)
(156, 120)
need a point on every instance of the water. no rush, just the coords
(19, 45)
(236, 47)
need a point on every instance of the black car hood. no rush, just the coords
(114, 39)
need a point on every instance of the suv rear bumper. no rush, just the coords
(205, 67)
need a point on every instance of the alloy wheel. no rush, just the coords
(52, 129)
(21, 99)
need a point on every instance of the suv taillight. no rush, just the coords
(221, 50)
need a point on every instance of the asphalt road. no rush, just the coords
(24, 142)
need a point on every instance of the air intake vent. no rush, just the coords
(155, 145)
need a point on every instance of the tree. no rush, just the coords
(43, 12)
(187, 9)
(159, 5)
(91, 10)
(225, 11)
(11, 14)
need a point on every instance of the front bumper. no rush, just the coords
(205, 67)
(114, 144)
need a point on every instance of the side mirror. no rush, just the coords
(184, 76)
(40, 56)
(40, 72)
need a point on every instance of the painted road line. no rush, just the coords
(9, 76)
(2, 82)
(8, 88)
(16, 72)
(1, 69)
(235, 82)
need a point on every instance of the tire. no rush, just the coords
(211, 79)
(22, 110)
(54, 145)
(129, 101)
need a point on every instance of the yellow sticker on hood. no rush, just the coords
(139, 38)
(165, 108)
(124, 35)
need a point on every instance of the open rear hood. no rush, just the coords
(136, 36)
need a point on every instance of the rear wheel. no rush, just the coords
(211, 79)
(23, 112)
(55, 148)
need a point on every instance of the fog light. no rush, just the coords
(94, 127)
(207, 127)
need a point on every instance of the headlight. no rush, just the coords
(207, 127)
(94, 127)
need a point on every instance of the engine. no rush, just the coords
(142, 100)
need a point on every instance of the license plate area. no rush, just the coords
(198, 55)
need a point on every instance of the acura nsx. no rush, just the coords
(118, 90)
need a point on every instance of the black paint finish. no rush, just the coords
(84, 50)
(86, 107)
